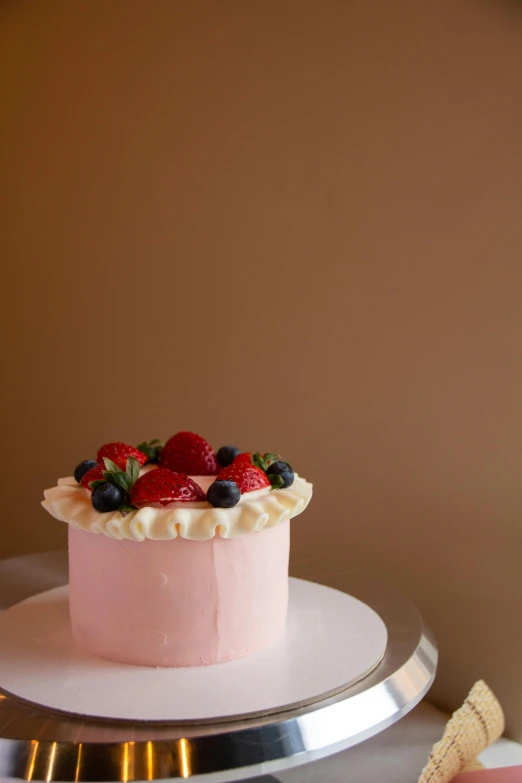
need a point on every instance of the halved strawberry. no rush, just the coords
(189, 453)
(164, 486)
(247, 477)
(119, 453)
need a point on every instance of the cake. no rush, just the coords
(178, 556)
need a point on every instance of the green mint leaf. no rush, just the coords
(123, 481)
(94, 484)
(157, 452)
(270, 457)
(126, 508)
(133, 471)
(110, 465)
(152, 449)
(275, 480)
(118, 479)
(258, 461)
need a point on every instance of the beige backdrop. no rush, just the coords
(292, 225)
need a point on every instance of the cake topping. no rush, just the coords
(152, 449)
(130, 500)
(189, 453)
(249, 472)
(119, 453)
(226, 455)
(280, 470)
(165, 486)
(244, 457)
(98, 473)
(279, 473)
(143, 492)
(94, 474)
(223, 494)
(106, 497)
(247, 477)
(83, 468)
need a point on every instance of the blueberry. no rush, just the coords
(223, 494)
(106, 497)
(226, 455)
(81, 469)
(284, 470)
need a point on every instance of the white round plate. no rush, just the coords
(332, 641)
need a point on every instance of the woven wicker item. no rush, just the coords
(474, 726)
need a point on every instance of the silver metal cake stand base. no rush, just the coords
(39, 744)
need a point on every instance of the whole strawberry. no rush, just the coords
(245, 458)
(163, 486)
(119, 453)
(189, 453)
(247, 477)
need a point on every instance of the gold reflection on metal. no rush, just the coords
(185, 758)
(150, 761)
(78, 763)
(32, 760)
(125, 770)
(50, 766)
(128, 762)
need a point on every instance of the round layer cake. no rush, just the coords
(172, 567)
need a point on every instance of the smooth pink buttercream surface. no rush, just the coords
(178, 602)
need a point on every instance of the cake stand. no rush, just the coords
(39, 744)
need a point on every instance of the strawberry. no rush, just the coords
(247, 477)
(261, 461)
(243, 459)
(119, 453)
(94, 474)
(189, 453)
(164, 486)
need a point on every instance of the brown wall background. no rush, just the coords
(289, 225)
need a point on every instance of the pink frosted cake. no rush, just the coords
(178, 556)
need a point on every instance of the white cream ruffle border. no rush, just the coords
(71, 503)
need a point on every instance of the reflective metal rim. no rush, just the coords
(39, 745)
